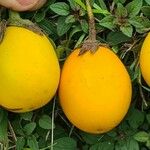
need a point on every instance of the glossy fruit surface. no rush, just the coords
(29, 70)
(145, 59)
(95, 90)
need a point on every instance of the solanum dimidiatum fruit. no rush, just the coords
(95, 90)
(145, 59)
(29, 70)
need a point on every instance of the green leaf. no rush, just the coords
(48, 27)
(115, 38)
(85, 147)
(146, 11)
(60, 132)
(134, 72)
(20, 143)
(27, 116)
(108, 22)
(73, 4)
(119, 1)
(45, 122)
(17, 127)
(65, 143)
(141, 136)
(62, 26)
(81, 4)
(132, 144)
(127, 144)
(136, 21)
(121, 11)
(75, 30)
(148, 143)
(127, 30)
(135, 118)
(134, 7)
(80, 41)
(102, 4)
(148, 2)
(3, 126)
(112, 133)
(99, 10)
(60, 8)
(121, 145)
(146, 25)
(32, 143)
(70, 19)
(90, 138)
(115, 49)
(103, 146)
(29, 128)
(84, 26)
(39, 16)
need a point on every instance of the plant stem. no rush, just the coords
(3, 25)
(91, 43)
(142, 96)
(12, 131)
(13, 15)
(92, 30)
(71, 130)
(52, 131)
(16, 20)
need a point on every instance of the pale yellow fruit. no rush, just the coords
(95, 90)
(29, 70)
(145, 59)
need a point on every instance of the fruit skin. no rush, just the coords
(95, 90)
(29, 70)
(145, 59)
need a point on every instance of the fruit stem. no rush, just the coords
(92, 30)
(16, 20)
(91, 43)
(3, 23)
(13, 15)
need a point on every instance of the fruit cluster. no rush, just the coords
(94, 88)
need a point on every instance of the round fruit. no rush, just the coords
(145, 59)
(95, 90)
(29, 70)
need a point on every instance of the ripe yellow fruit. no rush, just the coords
(29, 70)
(145, 59)
(95, 90)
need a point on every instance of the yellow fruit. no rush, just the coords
(29, 70)
(145, 59)
(95, 90)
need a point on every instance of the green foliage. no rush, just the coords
(45, 122)
(142, 136)
(65, 143)
(60, 8)
(121, 24)
(3, 128)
